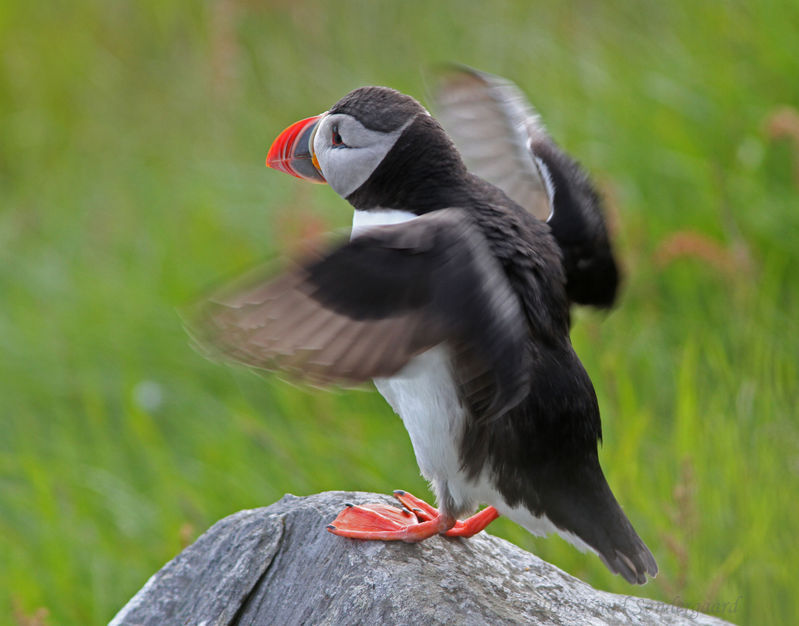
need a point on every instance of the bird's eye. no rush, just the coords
(337, 140)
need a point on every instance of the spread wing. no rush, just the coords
(502, 140)
(365, 308)
(493, 126)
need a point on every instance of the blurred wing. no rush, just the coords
(493, 126)
(502, 139)
(365, 308)
(279, 325)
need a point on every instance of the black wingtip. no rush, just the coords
(593, 281)
(580, 226)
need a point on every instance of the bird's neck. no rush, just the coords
(422, 172)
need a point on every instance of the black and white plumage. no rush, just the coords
(456, 300)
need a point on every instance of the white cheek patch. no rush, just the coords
(348, 167)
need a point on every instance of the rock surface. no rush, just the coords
(278, 565)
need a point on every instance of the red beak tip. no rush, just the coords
(292, 153)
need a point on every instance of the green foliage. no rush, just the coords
(132, 179)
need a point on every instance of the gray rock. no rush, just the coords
(278, 565)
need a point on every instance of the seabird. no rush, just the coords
(453, 294)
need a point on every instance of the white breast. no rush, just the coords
(423, 394)
(362, 220)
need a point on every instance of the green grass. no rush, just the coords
(132, 139)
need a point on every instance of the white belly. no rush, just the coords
(423, 394)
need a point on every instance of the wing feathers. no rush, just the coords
(492, 124)
(366, 308)
(502, 140)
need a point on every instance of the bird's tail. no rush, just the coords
(585, 512)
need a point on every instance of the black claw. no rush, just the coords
(399, 492)
(349, 504)
(405, 509)
(416, 508)
(331, 527)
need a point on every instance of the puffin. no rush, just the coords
(453, 294)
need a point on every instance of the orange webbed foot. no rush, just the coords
(385, 523)
(415, 522)
(466, 528)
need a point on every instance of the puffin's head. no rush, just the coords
(345, 145)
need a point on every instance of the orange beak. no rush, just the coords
(292, 152)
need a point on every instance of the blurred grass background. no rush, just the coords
(132, 140)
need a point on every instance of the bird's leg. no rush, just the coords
(416, 521)
(466, 528)
(474, 524)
